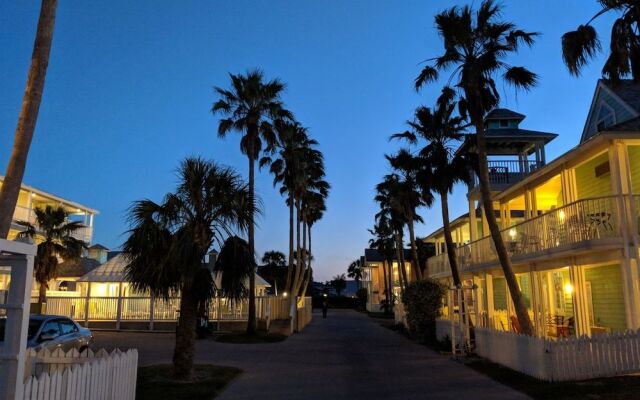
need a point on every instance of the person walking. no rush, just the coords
(325, 306)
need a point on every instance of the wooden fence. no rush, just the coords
(304, 313)
(74, 376)
(564, 359)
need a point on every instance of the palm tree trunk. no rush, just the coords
(305, 284)
(28, 115)
(451, 254)
(290, 269)
(487, 202)
(414, 251)
(298, 269)
(185, 335)
(42, 295)
(401, 267)
(251, 323)
(303, 256)
(386, 284)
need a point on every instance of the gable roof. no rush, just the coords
(374, 255)
(627, 90)
(98, 246)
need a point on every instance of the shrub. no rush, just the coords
(422, 301)
(362, 294)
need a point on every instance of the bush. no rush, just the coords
(422, 301)
(362, 294)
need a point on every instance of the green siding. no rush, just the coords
(588, 184)
(606, 297)
(525, 287)
(499, 294)
(634, 166)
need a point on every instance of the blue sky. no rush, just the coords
(129, 89)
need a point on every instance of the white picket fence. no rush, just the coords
(564, 359)
(74, 376)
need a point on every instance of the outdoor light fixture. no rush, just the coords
(561, 215)
(284, 294)
(513, 233)
(568, 288)
(324, 294)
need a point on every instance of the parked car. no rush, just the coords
(54, 332)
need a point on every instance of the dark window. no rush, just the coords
(51, 328)
(504, 123)
(67, 326)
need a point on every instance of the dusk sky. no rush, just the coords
(129, 89)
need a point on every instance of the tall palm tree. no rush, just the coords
(235, 264)
(438, 133)
(54, 234)
(274, 268)
(315, 209)
(392, 214)
(250, 106)
(476, 47)
(28, 115)
(384, 241)
(410, 197)
(168, 241)
(624, 49)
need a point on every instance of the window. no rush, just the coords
(606, 117)
(51, 328)
(504, 123)
(67, 326)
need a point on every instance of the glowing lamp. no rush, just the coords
(561, 215)
(284, 294)
(568, 288)
(513, 233)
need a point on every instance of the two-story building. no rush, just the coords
(571, 225)
(376, 277)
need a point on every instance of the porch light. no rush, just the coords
(561, 216)
(568, 288)
(284, 294)
(513, 233)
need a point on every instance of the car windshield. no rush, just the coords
(34, 325)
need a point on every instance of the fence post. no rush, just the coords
(86, 305)
(119, 307)
(218, 313)
(152, 305)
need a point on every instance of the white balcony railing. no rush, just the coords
(566, 226)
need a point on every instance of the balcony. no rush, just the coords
(504, 173)
(570, 227)
(22, 213)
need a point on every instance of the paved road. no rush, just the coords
(347, 356)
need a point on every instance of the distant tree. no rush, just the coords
(274, 258)
(28, 115)
(339, 283)
(274, 269)
(168, 242)
(54, 234)
(355, 270)
(579, 46)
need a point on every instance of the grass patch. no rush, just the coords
(243, 338)
(617, 388)
(156, 382)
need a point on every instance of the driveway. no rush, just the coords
(346, 356)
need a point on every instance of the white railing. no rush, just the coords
(438, 265)
(88, 375)
(21, 213)
(584, 220)
(564, 359)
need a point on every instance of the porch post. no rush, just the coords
(582, 325)
(488, 282)
(86, 305)
(527, 205)
(119, 307)
(534, 301)
(485, 224)
(621, 186)
(152, 306)
(473, 221)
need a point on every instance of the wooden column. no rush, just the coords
(473, 221)
(152, 306)
(119, 307)
(86, 305)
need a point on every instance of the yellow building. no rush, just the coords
(375, 277)
(571, 225)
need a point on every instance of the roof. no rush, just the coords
(374, 255)
(504, 113)
(111, 271)
(54, 197)
(98, 246)
(76, 268)
(519, 133)
(627, 90)
(630, 125)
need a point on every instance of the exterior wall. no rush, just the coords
(634, 167)
(586, 181)
(607, 300)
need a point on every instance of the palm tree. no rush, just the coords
(54, 234)
(235, 264)
(410, 197)
(476, 49)
(168, 241)
(355, 270)
(339, 283)
(439, 133)
(250, 106)
(391, 213)
(315, 209)
(28, 115)
(274, 268)
(624, 50)
(384, 242)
